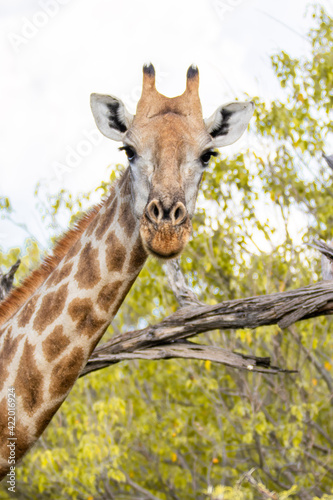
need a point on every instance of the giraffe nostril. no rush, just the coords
(178, 213)
(154, 211)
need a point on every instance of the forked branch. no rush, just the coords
(6, 280)
(166, 339)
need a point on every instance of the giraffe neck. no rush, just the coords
(47, 342)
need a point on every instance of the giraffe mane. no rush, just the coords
(36, 278)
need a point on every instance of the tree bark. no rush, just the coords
(165, 340)
(6, 280)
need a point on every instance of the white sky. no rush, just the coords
(51, 62)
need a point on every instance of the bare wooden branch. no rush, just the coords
(6, 280)
(258, 486)
(283, 308)
(183, 293)
(184, 349)
(323, 248)
(329, 160)
(326, 258)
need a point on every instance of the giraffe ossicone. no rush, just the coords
(51, 323)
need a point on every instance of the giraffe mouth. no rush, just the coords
(164, 240)
(162, 256)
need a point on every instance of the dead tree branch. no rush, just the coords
(166, 339)
(183, 293)
(329, 160)
(104, 356)
(6, 280)
(258, 486)
(326, 258)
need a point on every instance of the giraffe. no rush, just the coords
(52, 322)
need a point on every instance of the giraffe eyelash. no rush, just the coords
(130, 152)
(206, 156)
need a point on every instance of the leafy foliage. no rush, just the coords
(5, 204)
(191, 430)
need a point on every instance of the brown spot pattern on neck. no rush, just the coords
(51, 307)
(55, 343)
(115, 253)
(64, 246)
(66, 372)
(29, 381)
(82, 313)
(88, 272)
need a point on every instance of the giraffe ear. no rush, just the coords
(229, 122)
(111, 116)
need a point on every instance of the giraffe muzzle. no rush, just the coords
(165, 230)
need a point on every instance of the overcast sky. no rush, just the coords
(54, 53)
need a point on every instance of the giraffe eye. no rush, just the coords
(130, 152)
(205, 157)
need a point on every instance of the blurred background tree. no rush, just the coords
(183, 429)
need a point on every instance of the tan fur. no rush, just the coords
(166, 242)
(172, 129)
(152, 103)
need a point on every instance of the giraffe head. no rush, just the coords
(168, 145)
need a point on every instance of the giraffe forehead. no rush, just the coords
(169, 134)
